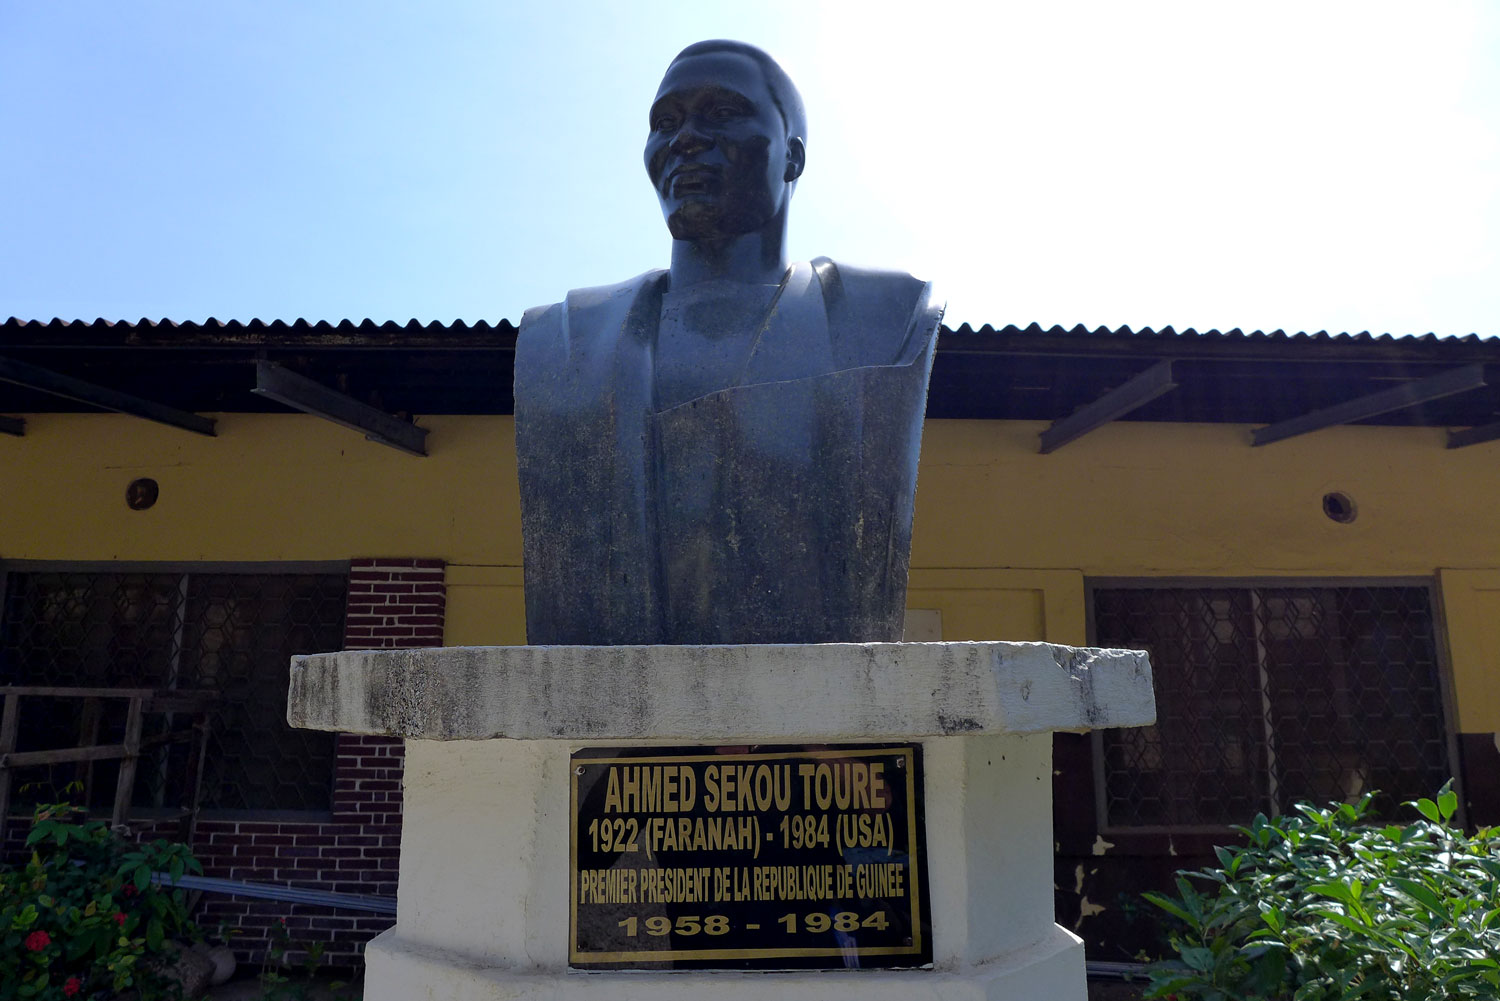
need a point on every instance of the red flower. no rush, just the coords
(38, 940)
(71, 987)
(120, 919)
(128, 889)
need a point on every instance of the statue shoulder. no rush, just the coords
(858, 280)
(877, 312)
(591, 298)
(607, 296)
(585, 312)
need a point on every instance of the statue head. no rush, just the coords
(727, 141)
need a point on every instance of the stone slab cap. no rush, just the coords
(721, 694)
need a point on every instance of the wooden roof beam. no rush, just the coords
(1408, 394)
(311, 397)
(13, 425)
(1139, 390)
(57, 384)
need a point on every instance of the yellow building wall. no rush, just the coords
(1471, 604)
(987, 604)
(1003, 541)
(485, 606)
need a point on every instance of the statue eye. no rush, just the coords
(664, 123)
(724, 113)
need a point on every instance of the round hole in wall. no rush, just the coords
(1339, 506)
(141, 494)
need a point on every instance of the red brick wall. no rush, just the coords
(393, 603)
(346, 857)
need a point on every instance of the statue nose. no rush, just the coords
(690, 140)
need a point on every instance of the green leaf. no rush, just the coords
(1337, 891)
(1169, 905)
(1198, 958)
(1447, 802)
(1419, 893)
(1427, 808)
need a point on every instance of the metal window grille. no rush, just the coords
(1268, 696)
(230, 632)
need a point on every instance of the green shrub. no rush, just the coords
(82, 918)
(1320, 906)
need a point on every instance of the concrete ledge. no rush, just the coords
(722, 694)
(1048, 971)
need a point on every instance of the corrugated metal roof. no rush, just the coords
(461, 327)
(234, 332)
(213, 323)
(1010, 372)
(1169, 333)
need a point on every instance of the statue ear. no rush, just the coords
(796, 158)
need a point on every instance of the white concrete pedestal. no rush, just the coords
(483, 895)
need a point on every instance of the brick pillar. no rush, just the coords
(392, 603)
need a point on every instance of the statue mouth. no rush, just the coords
(693, 179)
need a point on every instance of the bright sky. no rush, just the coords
(1307, 165)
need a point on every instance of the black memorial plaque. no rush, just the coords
(748, 858)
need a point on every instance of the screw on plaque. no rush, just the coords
(900, 762)
(578, 770)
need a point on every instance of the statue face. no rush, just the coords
(718, 154)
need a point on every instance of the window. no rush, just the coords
(225, 629)
(1268, 695)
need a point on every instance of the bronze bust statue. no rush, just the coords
(725, 451)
